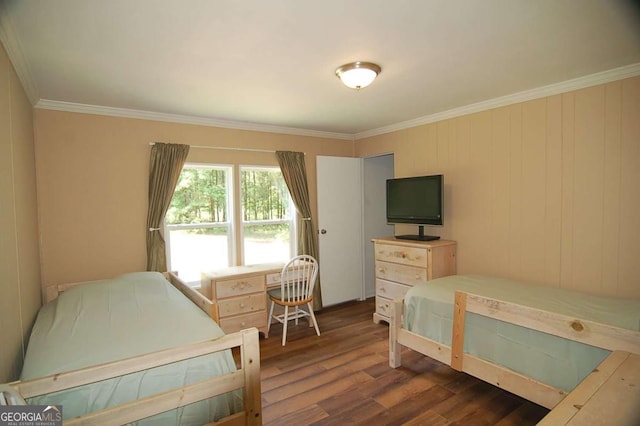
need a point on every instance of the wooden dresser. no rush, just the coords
(401, 264)
(239, 294)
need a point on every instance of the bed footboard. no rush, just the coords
(247, 378)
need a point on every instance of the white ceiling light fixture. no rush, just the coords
(357, 75)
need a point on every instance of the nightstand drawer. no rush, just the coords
(413, 256)
(400, 273)
(240, 322)
(390, 290)
(239, 286)
(241, 305)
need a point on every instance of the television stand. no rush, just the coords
(419, 237)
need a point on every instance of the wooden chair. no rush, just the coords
(296, 290)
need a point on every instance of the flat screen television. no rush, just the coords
(417, 200)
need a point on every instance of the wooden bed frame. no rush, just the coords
(247, 377)
(589, 332)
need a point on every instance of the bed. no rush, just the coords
(537, 342)
(135, 349)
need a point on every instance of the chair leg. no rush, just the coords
(269, 319)
(313, 317)
(284, 325)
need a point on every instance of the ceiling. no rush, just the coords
(271, 64)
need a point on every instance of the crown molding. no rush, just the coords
(14, 51)
(185, 119)
(608, 76)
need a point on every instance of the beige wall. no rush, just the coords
(19, 259)
(545, 191)
(93, 176)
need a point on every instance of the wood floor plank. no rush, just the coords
(314, 395)
(307, 415)
(349, 408)
(428, 418)
(393, 395)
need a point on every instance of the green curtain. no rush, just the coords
(295, 176)
(164, 170)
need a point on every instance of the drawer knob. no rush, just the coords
(243, 324)
(242, 305)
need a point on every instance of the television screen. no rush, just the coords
(417, 200)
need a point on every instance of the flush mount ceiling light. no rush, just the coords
(357, 75)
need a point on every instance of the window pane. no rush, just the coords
(267, 221)
(200, 197)
(264, 195)
(196, 250)
(266, 243)
(197, 222)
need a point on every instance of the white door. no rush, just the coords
(340, 221)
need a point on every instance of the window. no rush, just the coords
(268, 227)
(200, 229)
(198, 226)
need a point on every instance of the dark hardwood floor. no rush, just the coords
(343, 378)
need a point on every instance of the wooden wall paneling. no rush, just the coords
(629, 248)
(588, 188)
(419, 151)
(515, 191)
(480, 151)
(553, 191)
(444, 143)
(10, 332)
(461, 211)
(26, 215)
(451, 181)
(611, 194)
(533, 189)
(430, 163)
(498, 242)
(568, 147)
(443, 135)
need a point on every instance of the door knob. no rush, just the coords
(323, 231)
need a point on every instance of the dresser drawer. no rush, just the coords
(240, 322)
(390, 290)
(239, 286)
(409, 275)
(241, 305)
(413, 256)
(273, 279)
(383, 306)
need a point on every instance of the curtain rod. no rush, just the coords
(227, 148)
